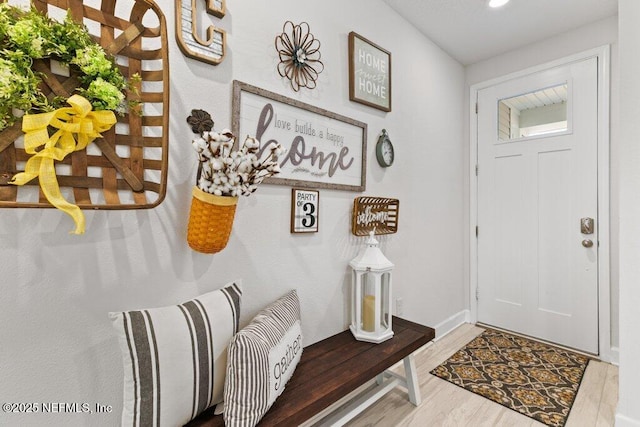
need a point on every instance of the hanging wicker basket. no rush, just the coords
(210, 221)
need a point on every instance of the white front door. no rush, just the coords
(537, 274)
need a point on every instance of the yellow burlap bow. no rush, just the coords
(76, 120)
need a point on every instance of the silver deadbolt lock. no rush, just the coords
(586, 225)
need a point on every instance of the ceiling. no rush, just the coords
(470, 31)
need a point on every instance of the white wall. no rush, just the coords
(581, 39)
(628, 413)
(56, 343)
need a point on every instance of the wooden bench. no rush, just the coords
(332, 368)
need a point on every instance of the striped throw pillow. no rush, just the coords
(175, 357)
(262, 358)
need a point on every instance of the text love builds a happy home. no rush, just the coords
(299, 151)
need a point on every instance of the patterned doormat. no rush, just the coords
(535, 379)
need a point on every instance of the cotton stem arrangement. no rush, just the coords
(229, 172)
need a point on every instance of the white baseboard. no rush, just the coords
(622, 421)
(613, 356)
(448, 325)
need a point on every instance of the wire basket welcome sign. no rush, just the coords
(375, 213)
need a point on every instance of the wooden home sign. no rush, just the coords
(321, 149)
(374, 212)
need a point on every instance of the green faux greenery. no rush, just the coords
(27, 35)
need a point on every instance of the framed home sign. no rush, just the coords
(369, 73)
(305, 205)
(321, 149)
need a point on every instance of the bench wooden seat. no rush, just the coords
(334, 367)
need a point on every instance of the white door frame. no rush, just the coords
(603, 54)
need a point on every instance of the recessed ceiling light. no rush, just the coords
(497, 3)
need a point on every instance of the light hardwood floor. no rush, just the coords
(444, 404)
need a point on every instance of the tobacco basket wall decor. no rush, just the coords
(127, 168)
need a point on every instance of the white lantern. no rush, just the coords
(371, 294)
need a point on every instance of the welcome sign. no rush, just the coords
(374, 213)
(322, 149)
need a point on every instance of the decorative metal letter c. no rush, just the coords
(212, 49)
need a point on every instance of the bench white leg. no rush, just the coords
(412, 380)
(385, 382)
(359, 404)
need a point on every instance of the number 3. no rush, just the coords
(310, 220)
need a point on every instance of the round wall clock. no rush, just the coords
(384, 150)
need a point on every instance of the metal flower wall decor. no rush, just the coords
(299, 54)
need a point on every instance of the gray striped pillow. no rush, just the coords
(262, 358)
(175, 357)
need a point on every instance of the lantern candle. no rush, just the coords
(369, 313)
(371, 294)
